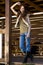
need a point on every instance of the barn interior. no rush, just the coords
(10, 35)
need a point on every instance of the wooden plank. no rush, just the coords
(20, 63)
(38, 0)
(8, 32)
(3, 2)
(34, 5)
(2, 31)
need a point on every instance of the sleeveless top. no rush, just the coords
(23, 26)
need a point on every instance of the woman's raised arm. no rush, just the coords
(12, 7)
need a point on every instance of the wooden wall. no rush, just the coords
(36, 31)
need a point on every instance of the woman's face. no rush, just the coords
(22, 9)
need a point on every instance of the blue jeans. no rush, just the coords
(24, 47)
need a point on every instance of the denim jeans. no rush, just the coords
(24, 47)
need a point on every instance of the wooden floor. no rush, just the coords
(18, 61)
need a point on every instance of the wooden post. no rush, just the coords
(7, 33)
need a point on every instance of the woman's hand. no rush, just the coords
(18, 3)
(27, 36)
(12, 7)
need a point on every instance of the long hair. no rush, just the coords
(26, 11)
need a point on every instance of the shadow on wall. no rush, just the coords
(34, 49)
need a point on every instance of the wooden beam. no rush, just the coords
(37, 0)
(16, 0)
(7, 33)
(2, 9)
(2, 31)
(1, 3)
(34, 5)
(2, 0)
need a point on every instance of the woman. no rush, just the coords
(25, 28)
